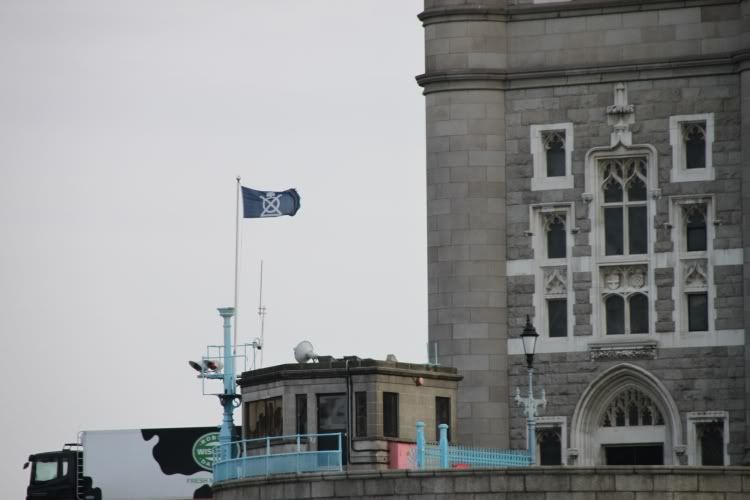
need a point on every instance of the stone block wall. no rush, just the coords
(547, 483)
(655, 101)
(699, 379)
(494, 68)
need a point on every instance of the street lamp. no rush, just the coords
(528, 339)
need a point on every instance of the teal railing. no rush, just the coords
(443, 455)
(277, 455)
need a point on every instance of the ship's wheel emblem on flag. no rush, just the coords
(271, 204)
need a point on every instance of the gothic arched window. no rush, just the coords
(624, 188)
(631, 408)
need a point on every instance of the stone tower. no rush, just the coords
(587, 166)
(466, 47)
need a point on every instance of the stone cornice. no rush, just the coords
(504, 80)
(316, 371)
(547, 11)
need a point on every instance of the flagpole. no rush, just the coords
(262, 314)
(236, 264)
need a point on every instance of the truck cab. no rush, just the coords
(56, 475)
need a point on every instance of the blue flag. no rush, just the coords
(269, 203)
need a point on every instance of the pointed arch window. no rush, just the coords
(626, 314)
(694, 135)
(554, 225)
(631, 408)
(691, 138)
(554, 145)
(695, 227)
(624, 188)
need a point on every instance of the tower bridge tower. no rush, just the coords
(466, 56)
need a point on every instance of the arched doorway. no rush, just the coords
(626, 417)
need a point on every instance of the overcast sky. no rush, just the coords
(122, 128)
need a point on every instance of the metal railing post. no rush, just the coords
(268, 452)
(341, 457)
(420, 445)
(298, 452)
(443, 445)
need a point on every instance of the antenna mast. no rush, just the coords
(261, 314)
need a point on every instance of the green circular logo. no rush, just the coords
(203, 450)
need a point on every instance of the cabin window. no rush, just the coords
(390, 414)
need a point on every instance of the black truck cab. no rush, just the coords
(55, 475)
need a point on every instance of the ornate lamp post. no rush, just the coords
(529, 338)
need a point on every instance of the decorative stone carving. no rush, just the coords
(611, 351)
(695, 273)
(620, 116)
(555, 281)
(550, 218)
(631, 407)
(625, 279)
(694, 210)
(552, 137)
(692, 130)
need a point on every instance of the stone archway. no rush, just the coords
(627, 382)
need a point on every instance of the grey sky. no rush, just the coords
(122, 128)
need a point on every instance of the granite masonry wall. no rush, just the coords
(655, 101)
(494, 68)
(699, 379)
(548, 483)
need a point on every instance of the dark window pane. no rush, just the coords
(637, 230)
(632, 414)
(264, 418)
(612, 192)
(360, 413)
(557, 313)
(637, 190)
(300, 411)
(556, 159)
(275, 427)
(390, 414)
(638, 314)
(556, 240)
(331, 411)
(613, 231)
(442, 415)
(620, 417)
(615, 306)
(696, 234)
(549, 447)
(698, 312)
(712, 443)
(647, 420)
(695, 149)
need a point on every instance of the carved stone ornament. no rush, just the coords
(609, 351)
(620, 116)
(695, 273)
(555, 281)
(551, 218)
(625, 279)
(694, 210)
(613, 280)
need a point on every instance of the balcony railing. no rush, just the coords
(276, 455)
(443, 455)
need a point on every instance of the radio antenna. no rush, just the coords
(261, 314)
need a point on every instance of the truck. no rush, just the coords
(131, 464)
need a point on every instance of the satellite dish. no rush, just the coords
(304, 352)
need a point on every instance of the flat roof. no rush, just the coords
(328, 367)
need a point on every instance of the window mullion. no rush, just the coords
(627, 315)
(625, 229)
